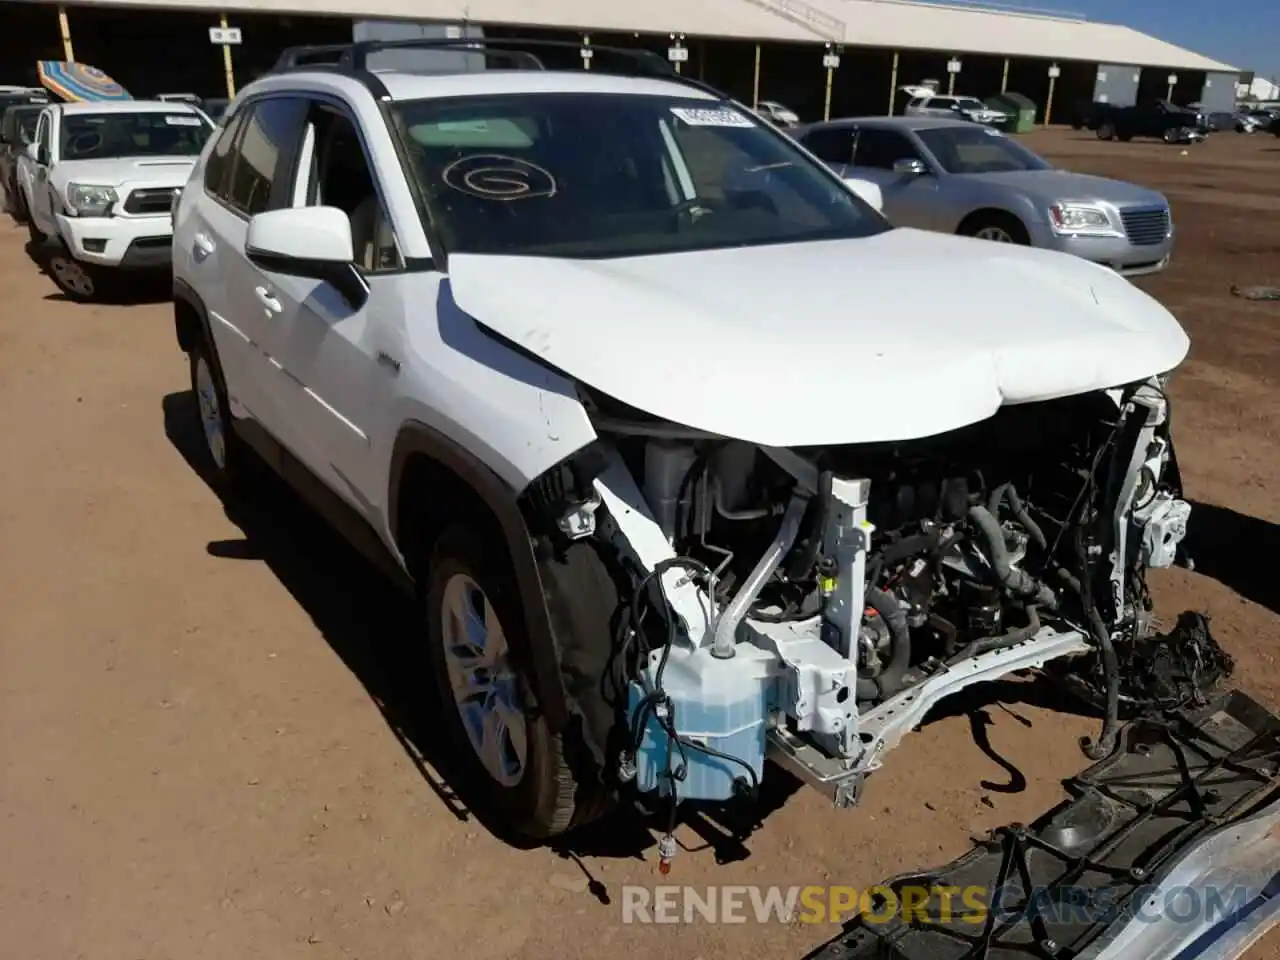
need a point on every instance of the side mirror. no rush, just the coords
(33, 152)
(313, 242)
(867, 191)
(912, 167)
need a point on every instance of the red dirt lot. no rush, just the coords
(215, 736)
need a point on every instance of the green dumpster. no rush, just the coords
(1021, 110)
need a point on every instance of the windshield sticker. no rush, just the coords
(181, 121)
(492, 176)
(712, 117)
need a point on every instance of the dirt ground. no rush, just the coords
(215, 729)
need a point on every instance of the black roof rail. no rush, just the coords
(518, 52)
(328, 54)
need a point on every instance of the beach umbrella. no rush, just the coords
(79, 81)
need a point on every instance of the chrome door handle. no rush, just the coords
(268, 299)
(203, 247)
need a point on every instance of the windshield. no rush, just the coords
(104, 136)
(599, 175)
(971, 103)
(974, 149)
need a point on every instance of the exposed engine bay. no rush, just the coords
(818, 602)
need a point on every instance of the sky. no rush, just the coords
(1243, 33)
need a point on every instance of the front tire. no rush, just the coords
(77, 280)
(514, 768)
(998, 228)
(1106, 131)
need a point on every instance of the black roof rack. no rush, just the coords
(354, 56)
(511, 52)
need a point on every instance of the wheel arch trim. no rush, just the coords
(417, 438)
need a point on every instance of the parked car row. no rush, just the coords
(1170, 122)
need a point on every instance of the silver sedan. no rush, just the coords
(958, 177)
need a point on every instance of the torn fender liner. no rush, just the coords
(1169, 848)
(1168, 671)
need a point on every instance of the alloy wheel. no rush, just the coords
(210, 414)
(484, 683)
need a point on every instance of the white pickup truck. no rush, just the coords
(100, 181)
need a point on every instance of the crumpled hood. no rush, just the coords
(902, 335)
(133, 171)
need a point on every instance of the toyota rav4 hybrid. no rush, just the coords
(683, 463)
(100, 184)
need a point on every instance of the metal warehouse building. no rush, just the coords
(754, 49)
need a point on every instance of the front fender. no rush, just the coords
(503, 502)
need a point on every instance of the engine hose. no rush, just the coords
(1008, 492)
(1009, 639)
(1106, 742)
(1016, 581)
(889, 681)
(805, 556)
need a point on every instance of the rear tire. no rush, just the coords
(514, 768)
(224, 455)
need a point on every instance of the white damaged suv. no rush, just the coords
(686, 461)
(103, 177)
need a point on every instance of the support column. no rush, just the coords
(893, 84)
(755, 83)
(64, 27)
(830, 60)
(1004, 78)
(226, 62)
(1054, 72)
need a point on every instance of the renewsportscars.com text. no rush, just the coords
(936, 904)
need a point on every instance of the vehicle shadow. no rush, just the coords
(371, 625)
(1226, 545)
(130, 289)
(976, 703)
